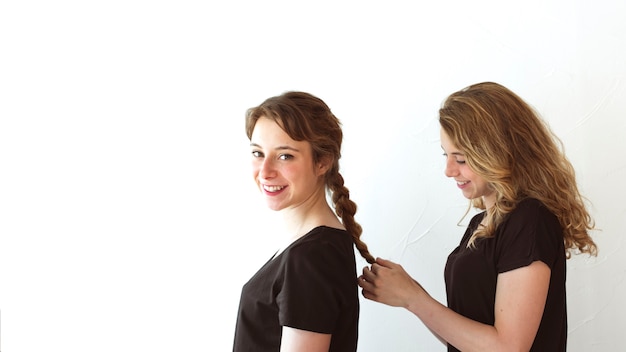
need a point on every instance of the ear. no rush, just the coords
(323, 165)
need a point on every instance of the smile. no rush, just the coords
(273, 189)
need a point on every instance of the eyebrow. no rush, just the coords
(453, 153)
(280, 147)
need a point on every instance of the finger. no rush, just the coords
(367, 274)
(384, 262)
(369, 295)
(376, 268)
(361, 281)
(364, 284)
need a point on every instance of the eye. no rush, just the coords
(257, 154)
(285, 156)
(456, 158)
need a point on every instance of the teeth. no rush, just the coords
(462, 183)
(273, 188)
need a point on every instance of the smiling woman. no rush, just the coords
(305, 297)
(505, 281)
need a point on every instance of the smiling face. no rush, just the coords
(283, 168)
(472, 185)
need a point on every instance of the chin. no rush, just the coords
(275, 207)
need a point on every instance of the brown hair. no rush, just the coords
(305, 117)
(506, 143)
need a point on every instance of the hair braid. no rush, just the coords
(345, 209)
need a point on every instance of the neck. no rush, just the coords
(304, 217)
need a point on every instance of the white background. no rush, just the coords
(128, 217)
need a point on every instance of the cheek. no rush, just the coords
(469, 174)
(254, 169)
(480, 184)
(293, 173)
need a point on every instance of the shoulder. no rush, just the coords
(532, 209)
(531, 220)
(530, 203)
(324, 235)
(321, 242)
(324, 251)
(530, 215)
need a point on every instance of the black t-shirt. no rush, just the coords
(310, 286)
(529, 233)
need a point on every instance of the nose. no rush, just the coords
(267, 169)
(452, 168)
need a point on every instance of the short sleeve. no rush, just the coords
(316, 283)
(530, 233)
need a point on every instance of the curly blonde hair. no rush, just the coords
(507, 144)
(305, 117)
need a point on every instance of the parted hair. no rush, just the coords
(507, 143)
(305, 117)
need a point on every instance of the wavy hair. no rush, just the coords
(305, 117)
(507, 144)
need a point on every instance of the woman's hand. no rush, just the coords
(387, 282)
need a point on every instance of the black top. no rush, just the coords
(310, 286)
(529, 233)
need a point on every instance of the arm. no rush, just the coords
(296, 340)
(520, 300)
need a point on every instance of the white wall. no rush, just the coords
(128, 219)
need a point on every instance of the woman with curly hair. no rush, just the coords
(305, 298)
(505, 282)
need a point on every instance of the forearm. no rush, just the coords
(463, 333)
(520, 300)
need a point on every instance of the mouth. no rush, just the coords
(462, 184)
(273, 189)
